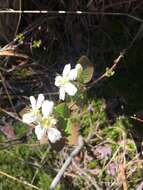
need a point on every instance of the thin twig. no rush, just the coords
(15, 117)
(12, 11)
(11, 114)
(123, 165)
(7, 92)
(18, 180)
(67, 163)
(104, 75)
(11, 53)
(19, 18)
(136, 118)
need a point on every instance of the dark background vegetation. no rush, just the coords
(66, 37)
(101, 37)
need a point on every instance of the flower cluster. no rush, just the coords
(41, 111)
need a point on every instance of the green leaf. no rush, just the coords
(62, 123)
(88, 69)
(62, 110)
(68, 127)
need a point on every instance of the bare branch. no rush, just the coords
(113, 67)
(67, 163)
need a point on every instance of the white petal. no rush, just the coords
(58, 80)
(54, 135)
(28, 118)
(66, 70)
(62, 93)
(70, 89)
(73, 74)
(40, 100)
(39, 131)
(47, 108)
(33, 102)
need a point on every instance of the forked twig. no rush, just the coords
(67, 163)
(112, 68)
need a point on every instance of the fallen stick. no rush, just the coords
(56, 180)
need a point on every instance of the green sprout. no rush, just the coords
(20, 38)
(36, 43)
(109, 72)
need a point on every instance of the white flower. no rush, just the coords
(47, 123)
(33, 115)
(63, 82)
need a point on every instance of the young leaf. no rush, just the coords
(36, 43)
(88, 69)
(62, 110)
(20, 38)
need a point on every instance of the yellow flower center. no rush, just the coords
(48, 122)
(64, 81)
